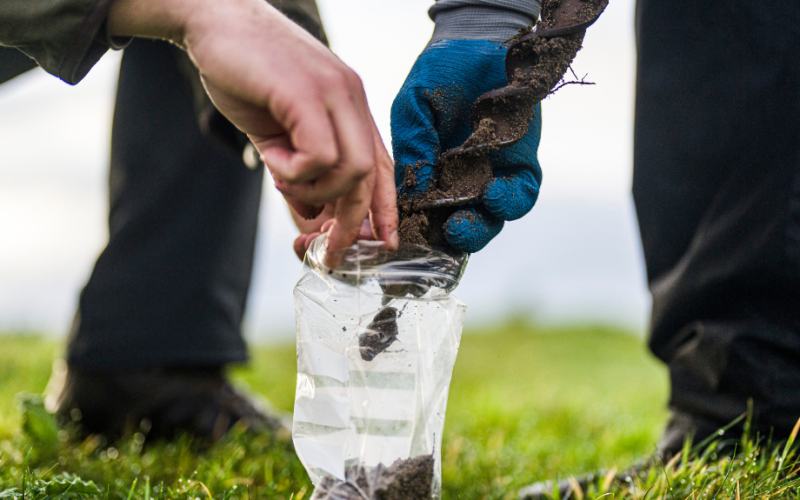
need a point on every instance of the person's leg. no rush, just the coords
(161, 314)
(717, 192)
(170, 288)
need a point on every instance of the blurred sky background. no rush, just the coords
(575, 259)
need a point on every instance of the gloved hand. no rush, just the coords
(430, 115)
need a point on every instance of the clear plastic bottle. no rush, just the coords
(377, 339)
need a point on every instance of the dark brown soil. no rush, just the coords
(409, 479)
(414, 228)
(461, 176)
(552, 55)
(410, 179)
(499, 119)
(379, 335)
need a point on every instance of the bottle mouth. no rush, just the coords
(413, 268)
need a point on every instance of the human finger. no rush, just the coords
(307, 150)
(353, 126)
(299, 246)
(327, 225)
(383, 211)
(326, 188)
(304, 210)
(306, 225)
(302, 243)
(351, 121)
(365, 231)
(351, 210)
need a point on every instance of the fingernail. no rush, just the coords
(366, 229)
(393, 240)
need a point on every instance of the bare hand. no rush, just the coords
(303, 109)
(367, 212)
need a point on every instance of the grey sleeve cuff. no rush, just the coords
(495, 20)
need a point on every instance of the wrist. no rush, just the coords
(475, 22)
(163, 19)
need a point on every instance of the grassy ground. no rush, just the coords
(526, 404)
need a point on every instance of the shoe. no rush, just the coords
(680, 427)
(161, 403)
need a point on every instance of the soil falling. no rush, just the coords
(379, 335)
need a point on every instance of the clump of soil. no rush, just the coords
(414, 229)
(409, 479)
(463, 176)
(380, 334)
(499, 119)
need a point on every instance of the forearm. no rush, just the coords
(495, 20)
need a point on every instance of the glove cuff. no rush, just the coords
(481, 22)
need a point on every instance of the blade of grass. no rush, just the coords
(720, 432)
(206, 489)
(789, 444)
(648, 491)
(25, 472)
(576, 488)
(725, 479)
(133, 487)
(610, 475)
(664, 469)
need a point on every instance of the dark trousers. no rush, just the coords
(171, 286)
(717, 192)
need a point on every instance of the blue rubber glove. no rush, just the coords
(430, 115)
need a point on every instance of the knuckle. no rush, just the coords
(336, 79)
(326, 157)
(286, 180)
(314, 196)
(361, 168)
(353, 79)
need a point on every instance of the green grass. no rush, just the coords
(526, 404)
